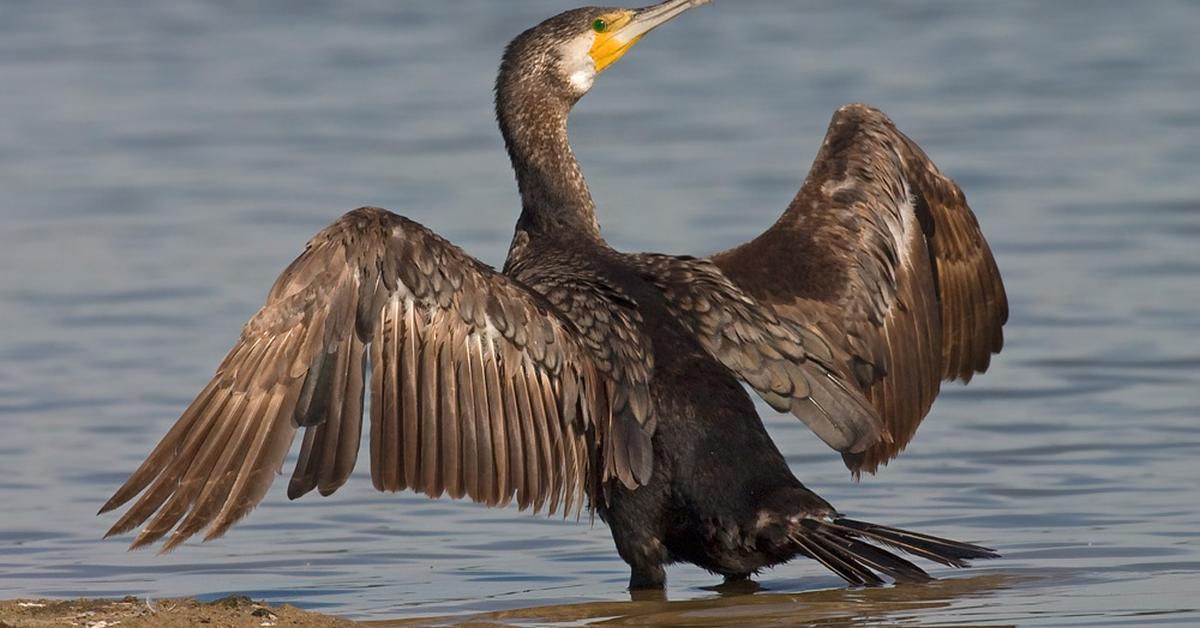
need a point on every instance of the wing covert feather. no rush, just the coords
(791, 366)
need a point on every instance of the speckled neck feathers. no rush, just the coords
(533, 102)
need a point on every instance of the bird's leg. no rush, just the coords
(647, 577)
(737, 584)
(645, 555)
(635, 520)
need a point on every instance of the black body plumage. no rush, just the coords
(581, 376)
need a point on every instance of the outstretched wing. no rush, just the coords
(880, 252)
(478, 389)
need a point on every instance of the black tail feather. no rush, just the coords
(878, 559)
(843, 546)
(837, 560)
(939, 550)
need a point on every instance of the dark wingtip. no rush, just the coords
(296, 490)
(117, 528)
(859, 463)
(325, 490)
(141, 542)
(175, 541)
(120, 527)
(110, 505)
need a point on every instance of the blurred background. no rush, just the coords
(160, 163)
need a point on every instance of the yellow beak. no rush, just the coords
(628, 27)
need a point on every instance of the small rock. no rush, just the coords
(233, 601)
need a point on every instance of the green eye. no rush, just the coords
(600, 26)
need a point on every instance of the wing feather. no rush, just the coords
(507, 477)
(466, 410)
(379, 366)
(483, 425)
(346, 453)
(553, 426)
(406, 360)
(451, 439)
(881, 253)
(518, 463)
(427, 400)
(479, 388)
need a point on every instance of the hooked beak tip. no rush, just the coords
(651, 17)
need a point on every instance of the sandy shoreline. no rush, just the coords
(131, 612)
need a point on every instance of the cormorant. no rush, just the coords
(585, 377)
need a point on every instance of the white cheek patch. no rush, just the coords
(582, 79)
(578, 64)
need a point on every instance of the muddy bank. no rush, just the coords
(132, 612)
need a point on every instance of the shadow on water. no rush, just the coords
(738, 606)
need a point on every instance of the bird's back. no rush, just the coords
(705, 424)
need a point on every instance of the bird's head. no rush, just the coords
(564, 54)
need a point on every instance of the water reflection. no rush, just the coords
(737, 607)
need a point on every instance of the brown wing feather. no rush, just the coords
(478, 388)
(966, 271)
(882, 254)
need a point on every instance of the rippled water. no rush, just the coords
(161, 162)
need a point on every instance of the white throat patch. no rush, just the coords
(582, 79)
(577, 62)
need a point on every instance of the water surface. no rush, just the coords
(160, 163)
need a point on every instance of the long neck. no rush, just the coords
(554, 196)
